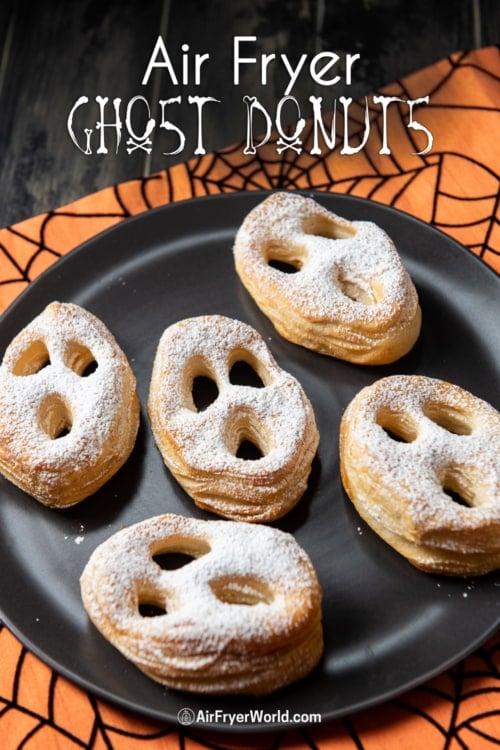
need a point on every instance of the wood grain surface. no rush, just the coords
(53, 52)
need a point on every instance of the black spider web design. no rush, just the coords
(478, 674)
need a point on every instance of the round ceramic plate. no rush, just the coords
(388, 627)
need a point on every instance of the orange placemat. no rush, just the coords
(455, 187)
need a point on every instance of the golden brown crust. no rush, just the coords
(200, 447)
(350, 296)
(64, 431)
(243, 616)
(419, 460)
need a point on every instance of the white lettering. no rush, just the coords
(317, 76)
(253, 104)
(237, 60)
(347, 149)
(385, 101)
(69, 124)
(289, 141)
(319, 123)
(293, 72)
(101, 125)
(414, 125)
(150, 124)
(200, 102)
(349, 62)
(164, 62)
(266, 59)
(168, 126)
(319, 66)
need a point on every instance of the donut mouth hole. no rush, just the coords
(397, 425)
(323, 226)
(34, 358)
(285, 259)
(246, 369)
(151, 608)
(448, 418)
(54, 417)
(459, 488)
(245, 438)
(362, 294)
(200, 387)
(80, 359)
(249, 451)
(244, 590)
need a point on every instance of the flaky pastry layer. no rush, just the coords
(419, 460)
(243, 616)
(200, 446)
(328, 284)
(69, 412)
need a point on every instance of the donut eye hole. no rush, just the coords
(243, 589)
(34, 358)
(204, 392)
(283, 266)
(55, 417)
(397, 425)
(328, 227)
(246, 370)
(448, 418)
(172, 560)
(283, 258)
(80, 359)
(200, 387)
(170, 556)
(89, 369)
(179, 553)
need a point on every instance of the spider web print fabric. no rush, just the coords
(454, 187)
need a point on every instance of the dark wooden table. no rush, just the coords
(54, 52)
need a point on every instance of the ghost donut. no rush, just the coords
(69, 411)
(257, 407)
(419, 460)
(242, 616)
(328, 284)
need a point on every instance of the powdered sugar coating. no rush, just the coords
(206, 638)
(451, 441)
(98, 408)
(350, 281)
(202, 445)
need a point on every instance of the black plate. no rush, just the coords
(388, 627)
